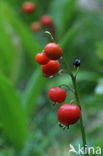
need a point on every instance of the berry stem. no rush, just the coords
(51, 37)
(68, 87)
(76, 72)
(78, 103)
(67, 66)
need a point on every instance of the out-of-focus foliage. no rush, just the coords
(12, 116)
(28, 121)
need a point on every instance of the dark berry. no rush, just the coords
(76, 63)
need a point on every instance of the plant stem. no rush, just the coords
(78, 103)
(68, 87)
(81, 118)
(51, 37)
(68, 68)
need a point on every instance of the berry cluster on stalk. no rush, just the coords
(68, 114)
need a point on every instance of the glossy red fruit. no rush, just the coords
(57, 94)
(51, 68)
(28, 7)
(68, 114)
(53, 51)
(35, 26)
(41, 58)
(46, 20)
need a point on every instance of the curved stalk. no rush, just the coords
(78, 103)
(50, 35)
(68, 87)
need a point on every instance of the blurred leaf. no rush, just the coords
(12, 51)
(57, 17)
(10, 55)
(99, 50)
(21, 29)
(65, 11)
(69, 12)
(7, 51)
(95, 122)
(99, 87)
(12, 116)
(33, 91)
(69, 35)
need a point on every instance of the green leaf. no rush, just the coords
(65, 12)
(69, 35)
(33, 90)
(7, 51)
(69, 12)
(10, 50)
(99, 49)
(57, 6)
(12, 116)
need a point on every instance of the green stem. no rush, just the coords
(68, 87)
(78, 103)
(68, 68)
(81, 118)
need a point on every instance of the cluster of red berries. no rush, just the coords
(67, 113)
(48, 59)
(45, 20)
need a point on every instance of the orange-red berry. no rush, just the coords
(46, 20)
(51, 68)
(35, 26)
(57, 94)
(41, 58)
(68, 114)
(53, 51)
(28, 7)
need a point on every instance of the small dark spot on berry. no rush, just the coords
(76, 63)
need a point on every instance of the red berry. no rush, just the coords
(35, 26)
(28, 7)
(41, 58)
(53, 51)
(68, 114)
(57, 94)
(51, 68)
(46, 20)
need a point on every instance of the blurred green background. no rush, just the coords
(28, 121)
